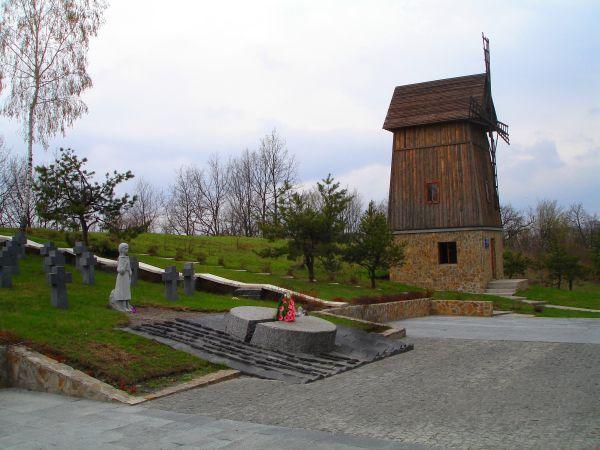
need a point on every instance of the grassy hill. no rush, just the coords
(238, 258)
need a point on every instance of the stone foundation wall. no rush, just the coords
(471, 273)
(31, 370)
(461, 308)
(385, 312)
(4, 382)
(405, 309)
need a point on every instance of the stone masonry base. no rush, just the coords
(405, 309)
(27, 369)
(471, 273)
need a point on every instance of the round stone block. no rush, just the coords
(306, 335)
(242, 320)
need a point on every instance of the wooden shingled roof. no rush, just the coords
(435, 101)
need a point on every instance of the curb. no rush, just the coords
(31, 370)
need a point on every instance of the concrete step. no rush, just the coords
(500, 291)
(509, 283)
(255, 294)
(501, 313)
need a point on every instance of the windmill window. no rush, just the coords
(432, 192)
(487, 191)
(447, 252)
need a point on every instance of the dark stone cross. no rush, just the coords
(20, 241)
(189, 282)
(170, 278)
(87, 265)
(78, 249)
(45, 251)
(11, 256)
(54, 258)
(6, 268)
(58, 279)
(135, 269)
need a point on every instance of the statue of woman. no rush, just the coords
(121, 294)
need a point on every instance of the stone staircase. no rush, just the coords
(506, 287)
(222, 348)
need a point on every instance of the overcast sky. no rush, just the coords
(174, 84)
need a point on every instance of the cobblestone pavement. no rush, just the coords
(35, 420)
(511, 327)
(446, 392)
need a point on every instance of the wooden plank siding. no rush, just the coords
(457, 155)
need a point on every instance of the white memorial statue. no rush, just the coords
(121, 294)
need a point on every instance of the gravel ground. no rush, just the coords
(145, 315)
(447, 392)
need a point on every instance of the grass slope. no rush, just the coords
(226, 255)
(84, 335)
(586, 295)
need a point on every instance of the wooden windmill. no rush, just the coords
(444, 202)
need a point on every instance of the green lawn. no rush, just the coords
(586, 295)
(84, 335)
(226, 254)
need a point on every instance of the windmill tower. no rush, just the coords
(444, 204)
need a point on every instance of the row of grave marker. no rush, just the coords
(57, 276)
(10, 254)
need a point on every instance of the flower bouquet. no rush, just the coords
(286, 311)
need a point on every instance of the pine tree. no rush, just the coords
(373, 247)
(68, 195)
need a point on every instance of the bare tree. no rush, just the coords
(582, 223)
(274, 169)
(550, 222)
(353, 212)
(43, 54)
(515, 224)
(213, 188)
(12, 190)
(181, 213)
(147, 210)
(242, 195)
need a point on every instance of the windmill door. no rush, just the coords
(493, 254)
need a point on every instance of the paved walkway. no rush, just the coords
(444, 393)
(33, 420)
(504, 328)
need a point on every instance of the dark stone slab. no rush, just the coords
(205, 337)
(170, 278)
(242, 320)
(58, 279)
(306, 335)
(189, 282)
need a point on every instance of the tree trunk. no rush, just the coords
(372, 278)
(310, 265)
(84, 231)
(25, 220)
(570, 284)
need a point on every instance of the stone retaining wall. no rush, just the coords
(386, 312)
(24, 368)
(461, 308)
(4, 382)
(405, 309)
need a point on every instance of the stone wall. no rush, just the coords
(461, 308)
(405, 309)
(386, 312)
(4, 382)
(471, 273)
(31, 370)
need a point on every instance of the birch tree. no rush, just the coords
(43, 56)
